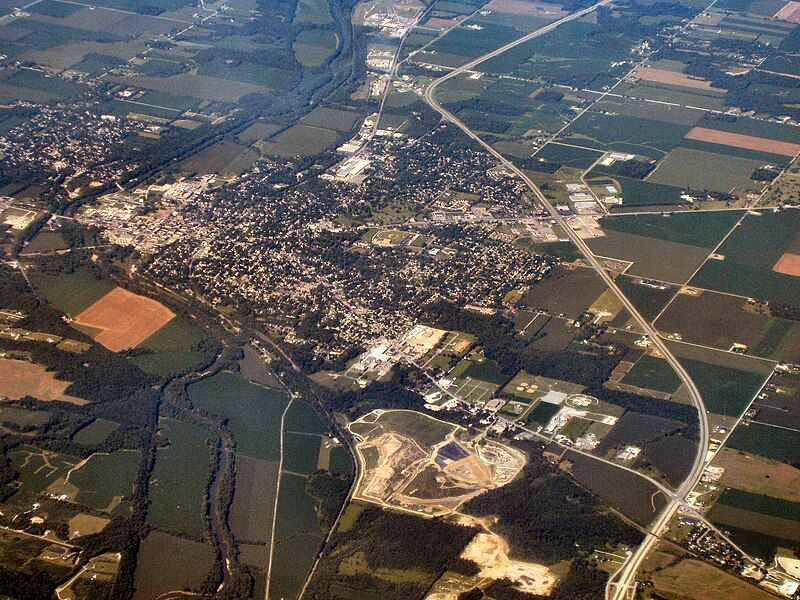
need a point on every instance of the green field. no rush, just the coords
(303, 418)
(300, 452)
(175, 348)
(70, 293)
(254, 498)
(95, 432)
(765, 505)
(750, 253)
(166, 563)
(297, 537)
(701, 170)
(105, 477)
(653, 373)
(541, 414)
(302, 140)
(764, 440)
(649, 301)
(313, 47)
(178, 482)
(22, 417)
(315, 12)
(725, 391)
(253, 412)
(702, 229)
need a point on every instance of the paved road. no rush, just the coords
(621, 586)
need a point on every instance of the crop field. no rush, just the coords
(567, 291)
(95, 432)
(124, 318)
(725, 390)
(635, 497)
(312, 48)
(302, 140)
(167, 562)
(301, 452)
(648, 300)
(764, 440)
(253, 412)
(20, 378)
(254, 499)
(316, 12)
(104, 480)
(652, 373)
(298, 537)
(225, 157)
(779, 405)
(331, 118)
(622, 133)
(721, 320)
(649, 73)
(747, 142)
(700, 170)
(759, 475)
(173, 348)
(38, 468)
(303, 418)
(70, 293)
(647, 254)
(750, 255)
(178, 482)
(637, 429)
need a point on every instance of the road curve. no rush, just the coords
(625, 578)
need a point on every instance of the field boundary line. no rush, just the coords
(275, 506)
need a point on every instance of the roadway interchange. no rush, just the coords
(622, 584)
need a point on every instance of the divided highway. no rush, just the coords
(622, 584)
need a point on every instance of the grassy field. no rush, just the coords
(750, 253)
(300, 452)
(177, 484)
(315, 12)
(541, 414)
(95, 432)
(695, 580)
(71, 293)
(106, 478)
(166, 562)
(303, 418)
(22, 417)
(701, 170)
(253, 412)
(648, 301)
(567, 291)
(725, 390)
(173, 348)
(253, 500)
(653, 373)
(759, 475)
(417, 426)
(770, 442)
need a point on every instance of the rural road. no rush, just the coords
(623, 583)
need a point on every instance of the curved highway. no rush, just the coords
(621, 585)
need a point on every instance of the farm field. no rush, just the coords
(764, 440)
(648, 300)
(124, 319)
(725, 390)
(38, 468)
(750, 256)
(71, 293)
(652, 373)
(177, 484)
(567, 291)
(22, 417)
(167, 562)
(701, 170)
(254, 498)
(173, 349)
(759, 475)
(104, 480)
(95, 432)
(721, 321)
(635, 497)
(253, 412)
(20, 378)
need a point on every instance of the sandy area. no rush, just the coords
(490, 553)
(788, 264)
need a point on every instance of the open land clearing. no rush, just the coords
(414, 462)
(759, 475)
(20, 378)
(124, 318)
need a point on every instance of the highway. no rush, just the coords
(622, 584)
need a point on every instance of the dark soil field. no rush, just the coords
(648, 301)
(635, 497)
(672, 455)
(764, 440)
